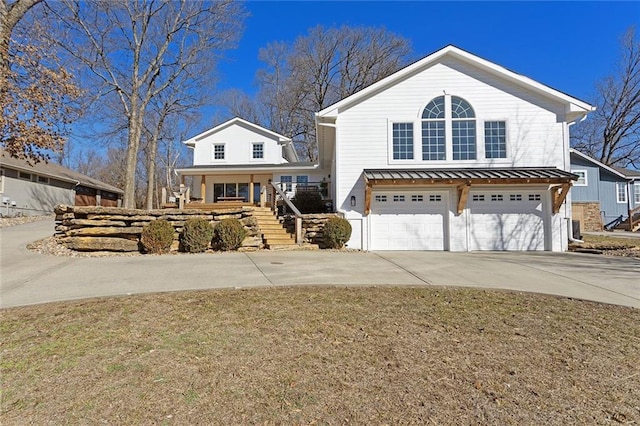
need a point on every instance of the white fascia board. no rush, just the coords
(597, 163)
(237, 120)
(453, 51)
(228, 170)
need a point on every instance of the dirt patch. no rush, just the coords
(321, 355)
(608, 245)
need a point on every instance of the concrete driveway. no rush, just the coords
(30, 278)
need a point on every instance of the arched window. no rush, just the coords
(463, 129)
(433, 135)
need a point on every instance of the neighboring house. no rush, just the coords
(452, 152)
(35, 189)
(603, 195)
(238, 160)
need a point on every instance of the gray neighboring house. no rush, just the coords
(35, 189)
(604, 196)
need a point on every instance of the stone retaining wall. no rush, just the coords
(118, 229)
(588, 214)
(312, 227)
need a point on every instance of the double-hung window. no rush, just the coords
(403, 141)
(621, 192)
(258, 151)
(495, 139)
(218, 151)
(636, 192)
(286, 183)
(582, 177)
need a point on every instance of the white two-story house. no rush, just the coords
(237, 160)
(454, 153)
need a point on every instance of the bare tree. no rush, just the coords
(611, 134)
(36, 91)
(134, 51)
(315, 71)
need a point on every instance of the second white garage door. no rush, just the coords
(405, 220)
(512, 220)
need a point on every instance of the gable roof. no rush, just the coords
(575, 108)
(289, 150)
(236, 121)
(56, 171)
(614, 170)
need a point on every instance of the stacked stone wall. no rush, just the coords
(588, 213)
(118, 229)
(312, 227)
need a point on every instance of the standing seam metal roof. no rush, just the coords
(446, 174)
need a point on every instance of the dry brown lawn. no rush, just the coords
(322, 355)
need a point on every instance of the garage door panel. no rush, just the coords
(408, 225)
(506, 223)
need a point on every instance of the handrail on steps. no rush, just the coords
(293, 208)
(615, 222)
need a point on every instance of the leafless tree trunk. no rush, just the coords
(10, 15)
(133, 52)
(611, 134)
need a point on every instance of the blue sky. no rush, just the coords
(566, 45)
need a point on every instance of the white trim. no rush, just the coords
(578, 172)
(574, 105)
(251, 154)
(636, 193)
(596, 162)
(213, 152)
(237, 120)
(625, 193)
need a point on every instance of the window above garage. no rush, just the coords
(448, 130)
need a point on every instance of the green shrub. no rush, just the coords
(228, 234)
(157, 236)
(308, 202)
(196, 235)
(336, 232)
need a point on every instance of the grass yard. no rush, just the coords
(321, 355)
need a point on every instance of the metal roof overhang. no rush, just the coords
(246, 169)
(465, 178)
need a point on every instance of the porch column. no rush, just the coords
(203, 188)
(251, 192)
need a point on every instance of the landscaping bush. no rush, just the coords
(228, 234)
(308, 202)
(157, 236)
(196, 235)
(337, 232)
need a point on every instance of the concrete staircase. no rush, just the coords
(274, 235)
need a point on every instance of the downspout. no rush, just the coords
(570, 232)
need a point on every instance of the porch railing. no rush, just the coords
(279, 198)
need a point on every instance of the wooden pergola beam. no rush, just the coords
(367, 199)
(559, 195)
(463, 193)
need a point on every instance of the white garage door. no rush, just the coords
(512, 220)
(405, 220)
